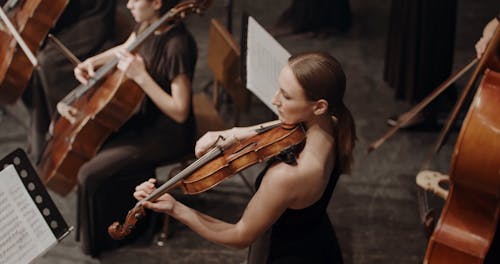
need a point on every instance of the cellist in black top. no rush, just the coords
(162, 130)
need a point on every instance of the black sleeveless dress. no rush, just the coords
(305, 235)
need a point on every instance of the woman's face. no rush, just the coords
(144, 10)
(290, 100)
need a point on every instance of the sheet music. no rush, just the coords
(265, 59)
(24, 233)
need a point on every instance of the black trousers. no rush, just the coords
(106, 183)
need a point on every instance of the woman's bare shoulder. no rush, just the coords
(300, 183)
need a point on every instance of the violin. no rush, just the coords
(32, 20)
(217, 164)
(104, 104)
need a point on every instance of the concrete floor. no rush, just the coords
(374, 210)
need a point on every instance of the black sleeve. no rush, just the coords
(181, 57)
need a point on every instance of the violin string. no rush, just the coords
(210, 155)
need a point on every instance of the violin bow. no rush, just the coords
(70, 57)
(417, 108)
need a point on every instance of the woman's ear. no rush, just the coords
(157, 4)
(320, 107)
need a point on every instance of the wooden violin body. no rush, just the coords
(33, 19)
(243, 155)
(217, 165)
(469, 218)
(107, 102)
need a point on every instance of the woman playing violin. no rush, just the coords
(291, 199)
(163, 128)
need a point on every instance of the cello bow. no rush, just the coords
(64, 50)
(407, 116)
(18, 38)
(487, 60)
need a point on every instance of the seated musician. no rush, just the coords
(291, 199)
(163, 129)
(84, 27)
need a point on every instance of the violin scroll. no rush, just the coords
(118, 231)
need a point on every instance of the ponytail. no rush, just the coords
(345, 136)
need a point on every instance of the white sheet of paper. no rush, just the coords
(265, 59)
(24, 233)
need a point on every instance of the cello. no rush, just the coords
(468, 221)
(469, 218)
(104, 104)
(33, 20)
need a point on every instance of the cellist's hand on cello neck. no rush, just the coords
(488, 32)
(132, 65)
(86, 70)
(174, 104)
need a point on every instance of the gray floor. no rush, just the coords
(374, 210)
